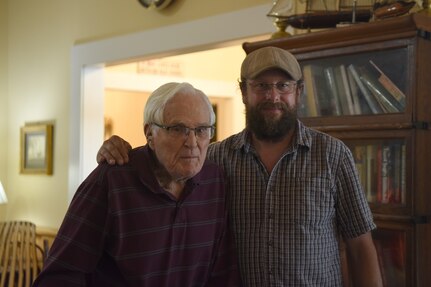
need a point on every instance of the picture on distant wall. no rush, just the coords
(36, 149)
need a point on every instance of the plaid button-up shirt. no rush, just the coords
(287, 223)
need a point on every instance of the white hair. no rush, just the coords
(153, 111)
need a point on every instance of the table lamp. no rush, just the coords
(3, 197)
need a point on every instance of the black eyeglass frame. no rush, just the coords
(185, 131)
(285, 87)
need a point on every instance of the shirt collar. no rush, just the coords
(302, 138)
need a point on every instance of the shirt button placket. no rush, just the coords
(270, 242)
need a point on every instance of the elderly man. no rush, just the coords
(292, 190)
(158, 221)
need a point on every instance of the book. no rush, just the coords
(346, 90)
(360, 158)
(330, 79)
(379, 195)
(379, 251)
(363, 108)
(386, 163)
(396, 171)
(315, 84)
(371, 161)
(403, 174)
(341, 91)
(382, 96)
(354, 92)
(384, 105)
(370, 99)
(311, 98)
(390, 86)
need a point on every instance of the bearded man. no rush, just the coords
(294, 192)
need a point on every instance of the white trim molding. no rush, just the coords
(88, 60)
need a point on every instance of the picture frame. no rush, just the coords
(36, 149)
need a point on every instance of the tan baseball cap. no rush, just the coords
(270, 57)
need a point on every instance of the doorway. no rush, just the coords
(214, 71)
(89, 61)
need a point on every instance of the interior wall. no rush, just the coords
(3, 99)
(127, 87)
(87, 70)
(40, 36)
(123, 115)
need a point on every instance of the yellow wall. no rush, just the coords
(130, 127)
(36, 38)
(3, 98)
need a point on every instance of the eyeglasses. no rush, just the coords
(281, 87)
(181, 131)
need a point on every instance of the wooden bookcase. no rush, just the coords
(389, 134)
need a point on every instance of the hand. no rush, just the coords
(114, 151)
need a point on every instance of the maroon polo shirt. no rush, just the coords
(123, 229)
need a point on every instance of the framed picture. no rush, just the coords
(36, 149)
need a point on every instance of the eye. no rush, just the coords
(283, 86)
(177, 129)
(201, 130)
(262, 86)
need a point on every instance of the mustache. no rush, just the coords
(271, 105)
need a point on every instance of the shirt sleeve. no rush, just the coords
(354, 214)
(78, 245)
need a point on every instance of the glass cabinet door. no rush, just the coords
(366, 83)
(393, 244)
(381, 164)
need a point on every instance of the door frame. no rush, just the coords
(89, 59)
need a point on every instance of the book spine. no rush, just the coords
(389, 105)
(379, 195)
(354, 93)
(390, 86)
(403, 174)
(360, 156)
(371, 101)
(330, 78)
(396, 172)
(346, 90)
(341, 92)
(385, 173)
(310, 92)
(371, 154)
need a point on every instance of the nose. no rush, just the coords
(273, 94)
(191, 139)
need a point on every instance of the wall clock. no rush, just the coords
(158, 4)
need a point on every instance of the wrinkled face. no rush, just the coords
(271, 113)
(181, 156)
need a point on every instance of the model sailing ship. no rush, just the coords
(327, 13)
(319, 14)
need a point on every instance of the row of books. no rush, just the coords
(391, 252)
(349, 90)
(382, 171)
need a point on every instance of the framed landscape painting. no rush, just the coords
(36, 149)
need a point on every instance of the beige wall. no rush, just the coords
(3, 98)
(130, 127)
(36, 38)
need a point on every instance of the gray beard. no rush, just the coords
(267, 129)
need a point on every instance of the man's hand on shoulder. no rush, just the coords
(114, 151)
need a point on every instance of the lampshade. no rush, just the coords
(3, 197)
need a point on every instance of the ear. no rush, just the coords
(148, 131)
(243, 93)
(244, 98)
(299, 93)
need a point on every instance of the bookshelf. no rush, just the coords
(370, 85)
